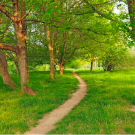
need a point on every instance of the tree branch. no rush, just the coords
(27, 13)
(7, 6)
(8, 36)
(56, 61)
(8, 47)
(70, 56)
(7, 13)
(100, 13)
(89, 29)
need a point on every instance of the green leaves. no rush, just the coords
(36, 7)
(58, 10)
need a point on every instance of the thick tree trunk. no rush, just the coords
(61, 69)
(20, 49)
(20, 28)
(23, 62)
(91, 68)
(50, 47)
(4, 71)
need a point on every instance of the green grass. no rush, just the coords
(84, 69)
(18, 112)
(104, 110)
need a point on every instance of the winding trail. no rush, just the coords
(47, 122)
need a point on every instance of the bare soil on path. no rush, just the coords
(132, 109)
(47, 123)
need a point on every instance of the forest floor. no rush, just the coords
(47, 122)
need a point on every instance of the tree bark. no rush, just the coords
(4, 71)
(50, 48)
(91, 68)
(50, 37)
(131, 8)
(55, 67)
(17, 67)
(13, 58)
(109, 67)
(61, 69)
(20, 49)
(20, 28)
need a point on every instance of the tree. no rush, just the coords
(60, 16)
(20, 49)
(4, 71)
(131, 8)
(65, 49)
(3, 63)
(113, 55)
(61, 23)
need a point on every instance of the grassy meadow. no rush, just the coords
(20, 111)
(104, 110)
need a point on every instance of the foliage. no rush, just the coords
(91, 25)
(76, 64)
(44, 67)
(127, 60)
(112, 57)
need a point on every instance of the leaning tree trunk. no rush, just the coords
(4, 71)
(61, 69)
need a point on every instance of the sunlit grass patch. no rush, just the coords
(20, 111)
(104, 110)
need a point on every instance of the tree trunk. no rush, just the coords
(23, 62)
(50, 47)
(55, 67)
(17, 67)
(20, 28)
(4, 71)
(61, 69)
(131, 8)
(61, 60)
(109, 67)
(91, 68)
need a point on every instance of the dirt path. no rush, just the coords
(47, 123)
(132, 109)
